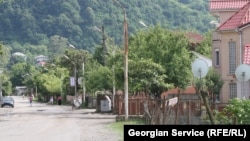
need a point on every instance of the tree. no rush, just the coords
(19, 72)
(147, 76)
(99, 78)
(74, 59)
(57, 45)
(205, 46)
(74, 19)
(6, 85)
(214, 84)
(1, 49)
(4, 55)
(236, 112)
(208, 89)
(50, 83)
(166, 48)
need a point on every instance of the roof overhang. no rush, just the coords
(244, 26)
(227, 30)
(223, 10)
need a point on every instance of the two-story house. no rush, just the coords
(230, 43)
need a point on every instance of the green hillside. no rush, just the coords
(35, 21)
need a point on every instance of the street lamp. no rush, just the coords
(72, 82)
(143, 24)
(72, 46)
(83, 79)
(125, 26)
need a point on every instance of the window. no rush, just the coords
(217, 57)
(246, 57)
(232, 57)
(232, 90)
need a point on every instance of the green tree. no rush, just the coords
(214, 84)
(57, 45)
(50, 83)
(89, 15)
(147, 76)
(1, 49)
(6, 84)
(166, 48)
(236, 112)
(4, 55)
(19, 72)
(39, 20)
(99, 79)
(205, 46)
(208, 89)
(74, 59)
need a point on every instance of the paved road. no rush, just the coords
(43, 122)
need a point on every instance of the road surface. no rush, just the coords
(43, 122)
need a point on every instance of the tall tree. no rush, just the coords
(166, 48)
(57, 45)
(205, 46)
(147, 76)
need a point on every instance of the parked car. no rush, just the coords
(7, 102)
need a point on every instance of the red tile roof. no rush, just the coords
(226, 4)
(189, 90)
(42, 63)
(194, 37)
(238, 19)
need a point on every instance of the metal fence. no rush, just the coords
(158, 111)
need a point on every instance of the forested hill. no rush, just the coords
(35, 21)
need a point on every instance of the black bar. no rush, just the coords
(204, 132)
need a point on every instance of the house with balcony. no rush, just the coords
(230, 45)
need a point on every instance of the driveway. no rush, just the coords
(43, 122)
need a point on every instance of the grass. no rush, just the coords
(118, 126)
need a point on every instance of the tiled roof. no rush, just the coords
(194, 37)
(238, 19)
(190, 90)
(226, 4)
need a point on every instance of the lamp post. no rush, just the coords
(83, 77)
(143, 24)
(83, 83)
(125, 27)
(74, 79)
(114, 90)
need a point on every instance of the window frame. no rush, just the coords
(232, 57)
(217, 57)
(232, 90)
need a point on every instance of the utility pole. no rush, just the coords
(114, 89)
(75, 81)
(83, 83)
(104, 46)
(105, 36)
(125, 27)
